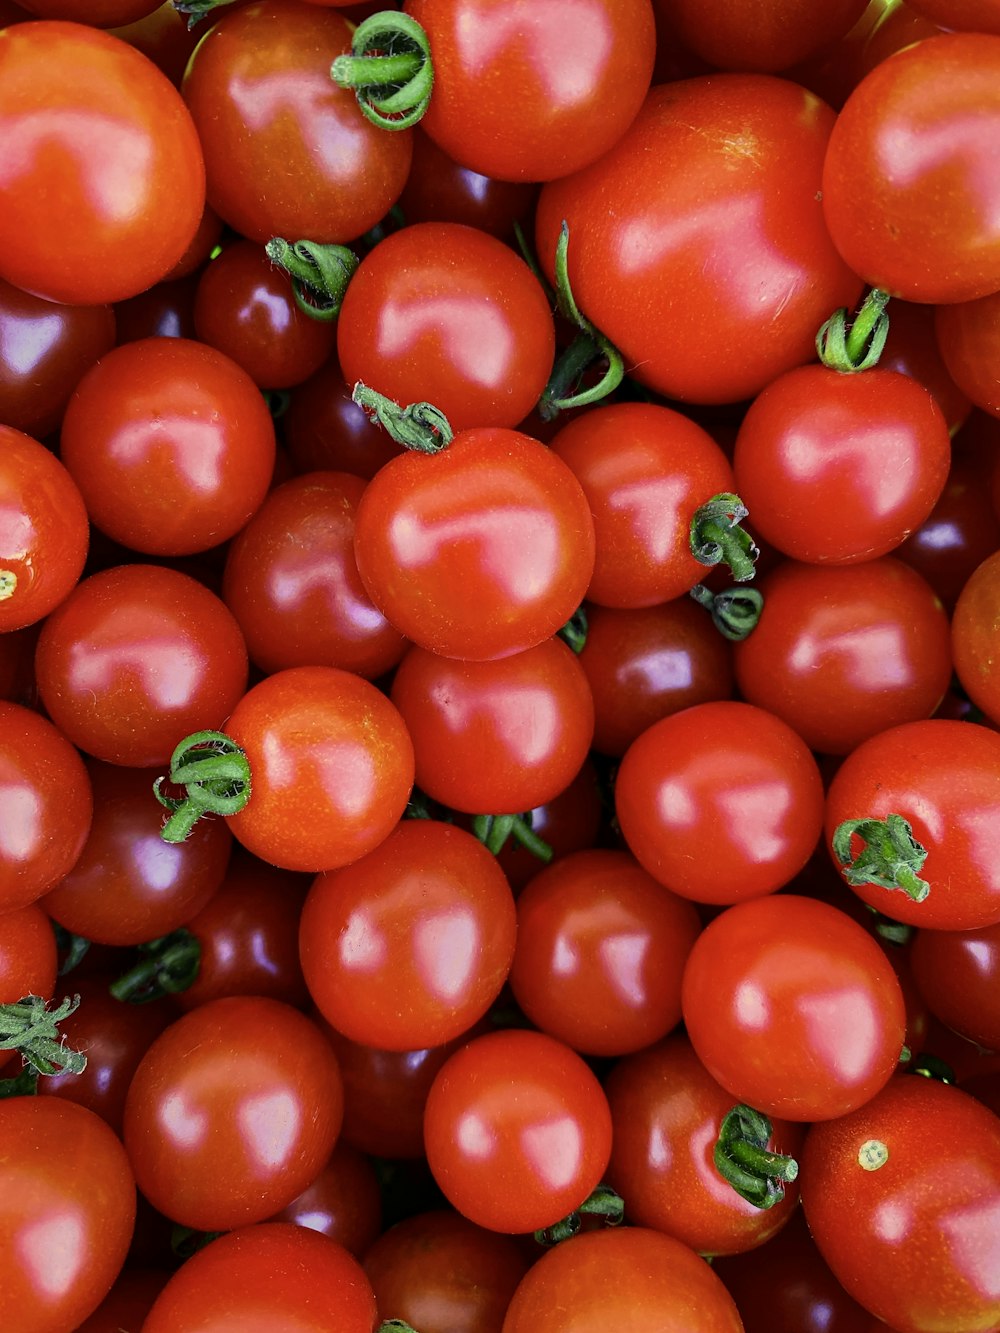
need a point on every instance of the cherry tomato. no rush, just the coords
(118, 150)
(744, 35)
(958, 972)
(439, 189)
(971, 15)
(974, 636)
(27, 954)
(326, 431)
(911, 348)
(343, 1203)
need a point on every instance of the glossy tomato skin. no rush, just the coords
(232, 1112)
(537, 92)
(531, 713)
(578, 1287)
(27, 954)
(974, 636)
(958, 973)
(409, 946)
(311, 165)
(728, 169)
(343, 1203)
(720, 802)
(439, 189)
(838, 468)
(443, 313)
(934, 1265)
(263, 1277)
(747, 35)
(517, 1130)
(137, 658)
(326, 431)
(666, 1114)
(63, 1175)
(479, 551)
(793, 1008)
(331, 763)
(910, 184)
(103, 104)
(940, 776)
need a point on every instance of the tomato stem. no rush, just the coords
(493, 832)
(319, 273)
(717, 538)
(735, 611)
(167, 966)
(850, 348)
(574, 632)
(31, 1028)
(195, 10)
(74, 947)
(418, 426)
(389, 70)
(215, 775)
(891, 857)
(743, 1159)
(604, 1203)
(395, 1326)
(933, 1067)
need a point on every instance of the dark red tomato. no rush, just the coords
(941, 777)
(292, 582)
(910, 191)
(443, 313)
(232, 1112)
(838, 468)
(644, 469)
(785, 1287)
(164, 38)
(115, 1036)
(720, 802)
(97, 13)
(911, 348)
(128, 885)
(587, 1284)
(46, 806)
(343, 1203)
(67, 1204)
(496, 737)
(171, 444)
(963, 15)
(968, 334)
(765, 37)
(17, 664)
(479, 551)
(103, 104)
(842, 652)
(245, 308)
(601, 948)
(438, 1271)
(164, 311)
(331, 763)
(248, 933)
(128, 1302)
(833, 73)
(901, 1198)
(666, 1114)
(793, 1008)
(697, 244)
(43, 531)
(516, 1130)
(44, 350)
(287, 152)
(137, 658)
(326, 431)
(439, 189)
(410, 945)
(262, 1278)
(532, 94)
(27, 954)
(958, 972)
(899, 25)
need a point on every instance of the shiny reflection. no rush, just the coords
(27, 343)
(754, 817)
(307, 108)
(361, 945)
(675, 805)
(657, 670)
(476, 339)
(972, 1234)
(879, 459)
(872, 657)
(555, 1150)
(891, 1221)
(270, 1124)
(168, 675)
(652, 506)
(197, 449)
(182, 1123)
(623, 965)
(906, 155)
(446, 950)
(475, 1137)
(52, 1251)
(531, 718)
(751, 1007)
(843, 1030)
(156, 864)
(21, 820)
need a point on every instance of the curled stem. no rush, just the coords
(717, 538)
(418, 426)
(319, 273)
(855, 346)
(735, 611)
(215, 774)
(743, 1158)
(603, 1203)
(389, 70)
(891, 858)
(31, 1028)
(166, 966)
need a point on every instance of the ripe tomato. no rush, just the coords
(958, 972)
(88, 121)
(344, 1202)
(745, 35)
(974, 636)
(27, 955)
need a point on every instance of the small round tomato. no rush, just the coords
(793, 1008)
(743, 35)
(27, 954)
(516, 1130)
(958, 973)
(343, 1203)
(974, 636)
(439, 189)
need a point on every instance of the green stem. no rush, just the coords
(167, 966)
(319, 273)
(195, 10)
(494, 830)
(418, 426)
(743, 1158)
(717, 538)
(603, 1203)
(24, 1084)
(891, 857)
(735, 611)
(215, 774)
(933, 1067)
(74, 947)
(389, 70)
(574, 632)
(850, 348)
(31, 1028)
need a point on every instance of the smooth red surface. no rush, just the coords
(343, 1203)
(958, 973)
(27, 954)
(974, 628)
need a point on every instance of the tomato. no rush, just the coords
(265, 1277)
(974, 15)
(744, 35)
(631, 1279)
(531, 713)
(135, 659)
(128, 1302)
(27, 954)
(67, 1204)
(902, 1199)
(76, 105)
(331, 763)
(516, 1130)
(164, 311)
(439, 189)
(99, 14)
(941, 778)
(479, 551)
(535, 93)
(910, 189)
(326, 431)
(793, 1008)
(46, 806)
(957, 972)
(697, 244)
(974, 636)
(43, 531)
(232, 1112)
(720, 802)
(287, 152)
(410, 945)
(842, 652)
(343, 1203)
(969, 336)
(164, 38)
(911, 348)
(666, 1114)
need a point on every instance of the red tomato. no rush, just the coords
(343, 1203)
(974, 636)
(326, 431)
(516, 1130)
(27, 955)
(439, 189)
(912, 349)
(970, 15)
(748, 35)
(88, 121)
(958, 972)
(793, 1008)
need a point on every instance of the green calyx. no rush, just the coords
(493, 831)
(743, 1159)
(166, 966)
(31, 1028)
(319, 273)
(389, 70)
(717, 539)
(603, 1203)
(735, 611)
(891, 857)
(421, 427)
(855, 346)
(215, 775)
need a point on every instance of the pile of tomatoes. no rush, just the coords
(499, 666)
